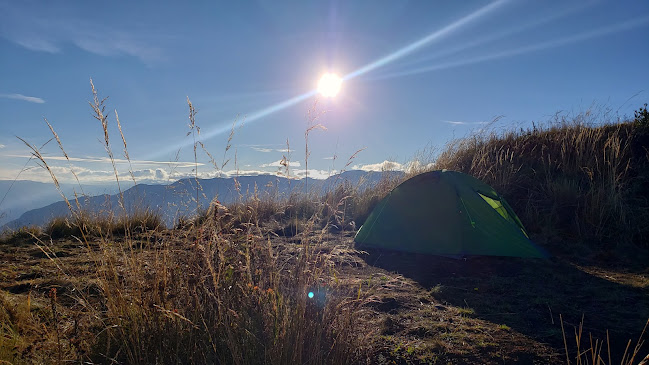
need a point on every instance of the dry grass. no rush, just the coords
(598, 351)
(572, 180)
(216, 291)
(94, 225)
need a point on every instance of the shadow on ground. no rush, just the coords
(528, 295)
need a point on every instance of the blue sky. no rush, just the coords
(416, 74)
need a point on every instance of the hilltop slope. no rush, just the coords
(570, 181)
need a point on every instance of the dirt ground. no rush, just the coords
(425, 309)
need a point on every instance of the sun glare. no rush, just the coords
(329, 85)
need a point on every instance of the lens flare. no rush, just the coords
(329, 85)
(310, 295)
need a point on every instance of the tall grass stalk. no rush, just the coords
(592, 355)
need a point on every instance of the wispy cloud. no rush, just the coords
(31, 99)
(107, 160)
(278, 164)
(267, 150)
(93, 170)
(381, 166)
(93, 175)
(40, 30)
(454, 122)
(103, 174)
(386, 165)
(247, 172)
(315, 174)
(2, 146)
(416, 165)
(35, 43)
(117, 43)
(261, 149)
(157, 174)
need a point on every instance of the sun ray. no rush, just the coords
(224, 127)
(425, 40)
(616, 28)
(494, 37)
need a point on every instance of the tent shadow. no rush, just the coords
(528, 295)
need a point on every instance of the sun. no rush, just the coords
(329, 85)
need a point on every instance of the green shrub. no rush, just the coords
(61, 228)
(642, 117)
(22, 234)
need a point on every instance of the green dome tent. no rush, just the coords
(446, 213)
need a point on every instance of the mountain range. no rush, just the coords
(20, 196)
(182, 198)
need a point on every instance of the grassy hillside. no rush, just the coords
(570, 181)
(279, 281)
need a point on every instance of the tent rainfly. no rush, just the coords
(446, 213)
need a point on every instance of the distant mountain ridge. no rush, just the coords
(20, 196)
(179, 198)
